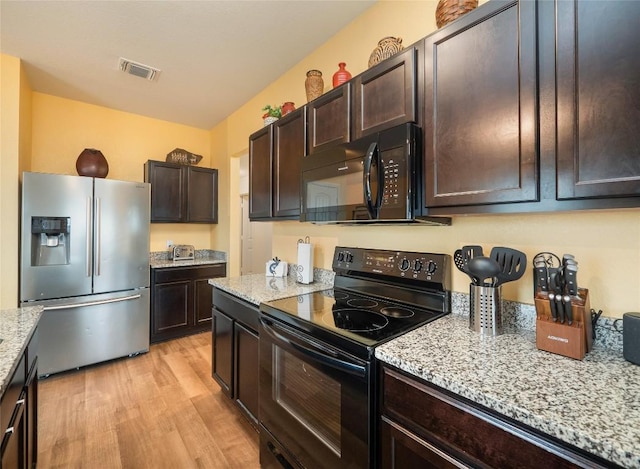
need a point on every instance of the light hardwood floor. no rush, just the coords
(161, 409)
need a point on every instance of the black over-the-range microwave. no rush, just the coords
(375, 179)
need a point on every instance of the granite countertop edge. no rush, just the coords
(16, 329)
(592, 404)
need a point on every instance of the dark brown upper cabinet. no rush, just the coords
(275, 153)
(289, 147)
(330, 119)
(598, 99)
(480, 106)
(260, 174)
(182, 194)
(385, 95)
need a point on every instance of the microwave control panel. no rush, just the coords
(395, 179)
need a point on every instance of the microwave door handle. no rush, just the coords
(366, 175)
(322, 355)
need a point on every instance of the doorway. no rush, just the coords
(255, 237)
(255, 241)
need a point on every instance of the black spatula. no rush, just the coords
(512, 262)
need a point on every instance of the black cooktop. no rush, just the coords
(350, 321)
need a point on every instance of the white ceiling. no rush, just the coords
(213, 55)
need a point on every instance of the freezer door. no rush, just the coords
(92, 329)
(55, 252)
(121, 258)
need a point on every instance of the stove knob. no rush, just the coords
(431, 267)
(340, 256)
(404, 264)
(349, 257)
(417, 266)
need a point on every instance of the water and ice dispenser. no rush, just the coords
(50, 238)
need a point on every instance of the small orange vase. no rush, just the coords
(341, 76)
(287, 108)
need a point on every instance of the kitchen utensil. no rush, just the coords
(483, 268)
(571, 279)
(542, 275)
(461, 263)
(485, 310)
(552, 297)
(512, 262)
(568, 311)
(471, 251)
(550, 259)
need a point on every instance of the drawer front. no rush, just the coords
(12, 394)
(237, 309)
(468, 433)
(173, 274)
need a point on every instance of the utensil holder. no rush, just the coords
(485, 309)
(572, 341)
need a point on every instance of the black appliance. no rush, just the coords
(374, 179)
(317, 364)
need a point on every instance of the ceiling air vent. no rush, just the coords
(138, 69)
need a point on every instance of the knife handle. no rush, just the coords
(552, 306)
(560, 308)
(568, 311)
(571, 279)
(542, 279)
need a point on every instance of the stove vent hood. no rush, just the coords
(138, 69)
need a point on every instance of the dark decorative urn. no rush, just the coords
(92, 163)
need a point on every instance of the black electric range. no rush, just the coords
(377, 296)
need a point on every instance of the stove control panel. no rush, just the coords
(418, 266)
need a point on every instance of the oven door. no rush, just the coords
(314, 399)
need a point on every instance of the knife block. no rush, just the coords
(569, 340)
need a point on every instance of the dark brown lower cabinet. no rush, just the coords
(222, 349)
(19, 413)
(235, 348)
(181, 300)
(246, 370)
(425, 426)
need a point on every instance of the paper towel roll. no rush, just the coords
(305, 263)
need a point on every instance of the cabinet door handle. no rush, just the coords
(8, 430)
(20, 402)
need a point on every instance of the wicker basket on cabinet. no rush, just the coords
(449, 10)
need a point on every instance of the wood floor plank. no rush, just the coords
(161, 409)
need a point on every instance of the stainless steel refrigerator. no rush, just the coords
(85, 258)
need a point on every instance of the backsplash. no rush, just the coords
(521, 317)
(319, 275)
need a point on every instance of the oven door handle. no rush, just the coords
(321, 354)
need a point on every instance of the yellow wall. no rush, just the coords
(62, 128)
(606, 243)
(15, 147)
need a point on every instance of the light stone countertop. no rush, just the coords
(258, 288)
(157, 264)
(160, 259)
(16, 328)
(593, 404)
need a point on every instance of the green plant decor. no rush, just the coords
(272, 111)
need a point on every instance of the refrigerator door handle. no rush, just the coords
(92, 303)
(88, 253)
(98, 231)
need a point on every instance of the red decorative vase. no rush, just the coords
(341, 76)
(287, 108)
(92, 163)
